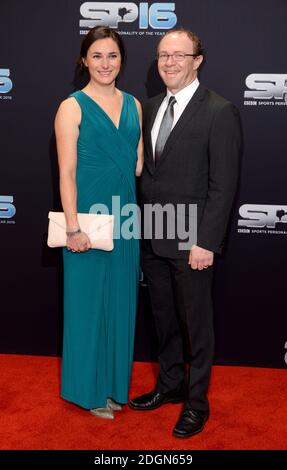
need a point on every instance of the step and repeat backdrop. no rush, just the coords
(245, 62)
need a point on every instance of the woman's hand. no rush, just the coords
(78, 242)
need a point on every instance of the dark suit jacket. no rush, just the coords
(199, 165)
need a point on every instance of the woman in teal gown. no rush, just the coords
(98, 132)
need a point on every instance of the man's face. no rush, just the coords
(177, 75)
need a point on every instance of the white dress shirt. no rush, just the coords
(182, 98)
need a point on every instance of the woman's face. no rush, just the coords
(103, 61)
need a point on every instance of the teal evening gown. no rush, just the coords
(100, 287)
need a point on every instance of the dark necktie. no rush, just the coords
(164, 130)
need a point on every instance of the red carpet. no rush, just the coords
(248, 411)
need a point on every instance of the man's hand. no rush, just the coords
(199, 258)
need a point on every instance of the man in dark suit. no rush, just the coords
(192, 145)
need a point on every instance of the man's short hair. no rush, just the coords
(198, 46)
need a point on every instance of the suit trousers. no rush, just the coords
(182, 306)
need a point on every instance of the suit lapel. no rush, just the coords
(186, 117)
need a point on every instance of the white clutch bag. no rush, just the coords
(99, 228)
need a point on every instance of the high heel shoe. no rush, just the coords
(105, 413)
(112, 405)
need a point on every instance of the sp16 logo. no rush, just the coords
(259, 216)
(7, 209)
(266, 86)
(5, 82)
(157, 15)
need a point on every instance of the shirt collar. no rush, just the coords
(185, 94)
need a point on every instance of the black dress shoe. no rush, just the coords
(190, 422)
(155, 399)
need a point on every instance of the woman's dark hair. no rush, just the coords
(100, 32)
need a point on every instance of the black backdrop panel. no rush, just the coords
(245, 62)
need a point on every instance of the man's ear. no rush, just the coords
(198, 61)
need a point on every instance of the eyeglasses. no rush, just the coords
(177, 56)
